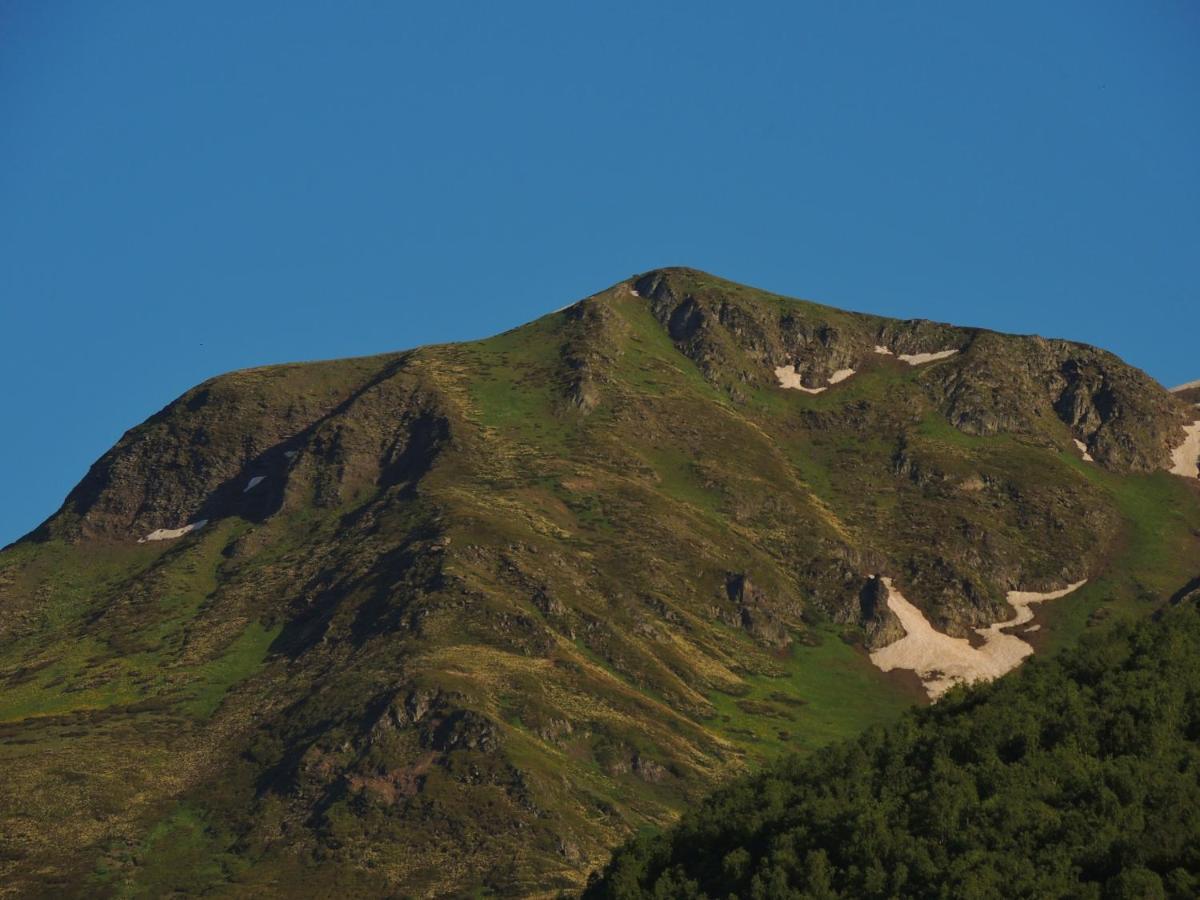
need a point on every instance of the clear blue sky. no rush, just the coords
(191, 188)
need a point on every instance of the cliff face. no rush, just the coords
(463, 617)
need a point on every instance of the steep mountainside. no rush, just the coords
(466, 616)
(1080, 778)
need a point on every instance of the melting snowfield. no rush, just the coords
(1087, 457)
(169, 534)
(1184, 457)
(253, 483)
(915, 359)
(941, 661)
(789, 378)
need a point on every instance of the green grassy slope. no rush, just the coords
(496, 606)
(1077, 777)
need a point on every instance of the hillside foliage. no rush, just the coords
(1077, 777)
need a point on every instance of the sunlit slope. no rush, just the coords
(490, 607)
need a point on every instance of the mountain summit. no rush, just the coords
(466, 616)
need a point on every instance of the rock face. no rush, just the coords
(362, 420)
(880, 625)
(756, 613)
(494, 606)
(993, 383)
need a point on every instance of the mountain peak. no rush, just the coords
(468, 616)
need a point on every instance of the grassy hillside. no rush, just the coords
(1077, 777)
(493, 607)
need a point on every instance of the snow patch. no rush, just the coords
(789, 378)
(840, 375)
(291, 454)
(253, 483)
(879, 348)
(941, 661)
(1185, 387)
(915, 359)
(1087, 457)
(169, 534)
(1185, 459)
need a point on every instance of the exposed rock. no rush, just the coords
(755, 614)
(463, 729)
(881, 626)
(647, 769)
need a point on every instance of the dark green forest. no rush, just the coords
(1078, 776)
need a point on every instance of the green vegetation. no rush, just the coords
(1153, 556)
(826, 692)
(1078, 777)
(215, 678)
(494, 607)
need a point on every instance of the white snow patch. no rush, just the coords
(291, 454)
(915, 359)
(941, 661)
(840, 375)
(879, 348)
(253, 483)
(1087, 457)
(1185, 387)
(1033, 628)
(1185, 459)
(789, 378)
(169, 534)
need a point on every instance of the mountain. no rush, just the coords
(1077, 778)
(463, 618)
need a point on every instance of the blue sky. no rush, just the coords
(191, 188)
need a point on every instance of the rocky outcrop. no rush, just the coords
(992, 384)
(755, 611)
(245, 443)
(591, 345)
(880, 625)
